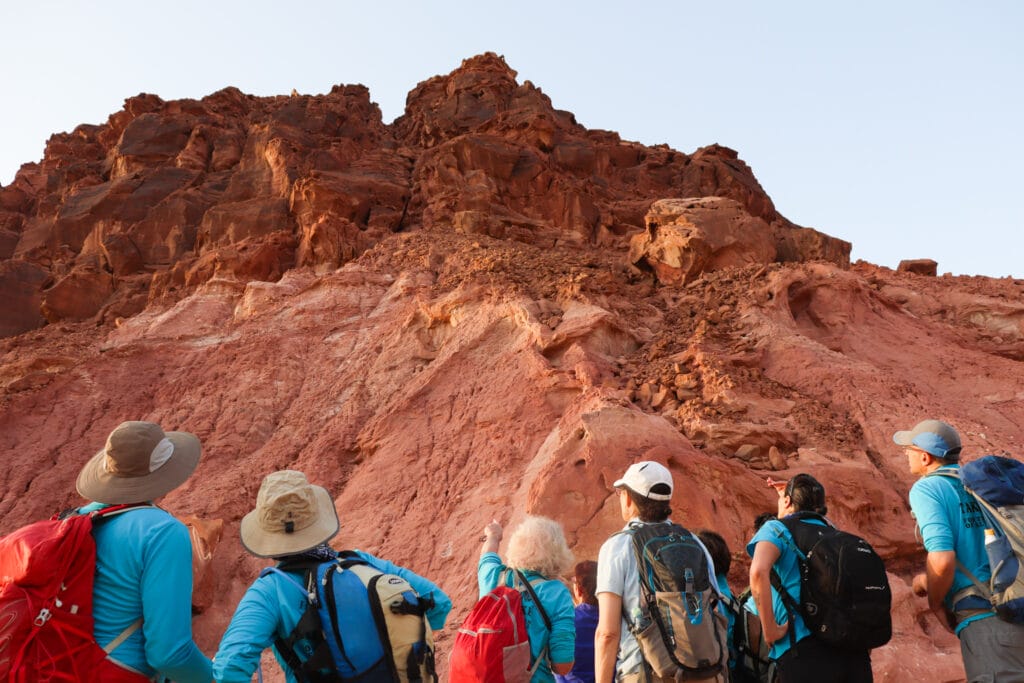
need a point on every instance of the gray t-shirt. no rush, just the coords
(617, 573)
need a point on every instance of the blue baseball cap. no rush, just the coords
(932, 436)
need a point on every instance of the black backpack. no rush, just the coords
(748, 647)
(845, 598)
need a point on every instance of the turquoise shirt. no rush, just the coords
(557, 602)
(730, 617)
(144, 568)
(272, 607)
(776, 533)
(950, 519)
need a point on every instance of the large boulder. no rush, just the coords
(686, 237)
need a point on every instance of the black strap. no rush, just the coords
(536, 600)
(788, 603)
(309, 629)
(544, 653)
(791, 522)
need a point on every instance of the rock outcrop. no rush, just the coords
(481, 310)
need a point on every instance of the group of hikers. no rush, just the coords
(654, 607)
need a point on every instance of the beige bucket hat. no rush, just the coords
(291, 516)
(140, 462)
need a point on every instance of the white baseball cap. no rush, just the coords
(642, 477)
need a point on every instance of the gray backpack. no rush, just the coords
(997, 485)
(682, 634)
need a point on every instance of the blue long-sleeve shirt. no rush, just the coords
(144, 568)
(273, 606)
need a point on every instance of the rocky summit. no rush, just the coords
(481, 310)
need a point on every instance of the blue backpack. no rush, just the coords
(360, 624)
(997, 485)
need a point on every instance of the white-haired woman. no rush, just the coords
(538, 549)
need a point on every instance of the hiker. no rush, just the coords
(799, 658)
(584, 593)
(625, 619)
(729, 606)
(291, 523)
(952, 528)
(538, 550)
(142, 590)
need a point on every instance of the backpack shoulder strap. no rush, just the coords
(114, 510)
(732, 604)
(798, 531)
(533, 596)
(520, 578)
(350, 558)
(308, 629)
(946, 472)
(792, 523)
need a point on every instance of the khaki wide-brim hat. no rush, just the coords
(139, 463)
(291, 516)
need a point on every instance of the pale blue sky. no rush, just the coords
(894, 125)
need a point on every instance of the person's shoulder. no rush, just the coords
(614, 543)
(773, 528)
(357, 554)
(936, 483)
(148, 519)
(555, 587)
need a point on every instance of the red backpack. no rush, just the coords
(46, 625)
(492, 645)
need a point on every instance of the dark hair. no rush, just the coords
(650, 510)
(717, 548)
(762, 518)
(807, 494)
(585, 578)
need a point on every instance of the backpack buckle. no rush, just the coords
(43, 617)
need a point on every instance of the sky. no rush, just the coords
(897, 126)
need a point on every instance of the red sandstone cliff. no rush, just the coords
(481, 310)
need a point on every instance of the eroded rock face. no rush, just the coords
(476, 152)
(437, 320)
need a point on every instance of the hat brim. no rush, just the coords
(263, 543)
(97, 484)
(619, 484)
(903, 438)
